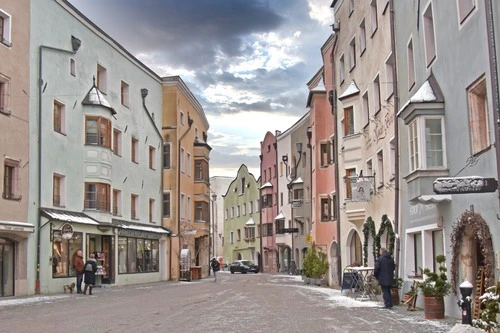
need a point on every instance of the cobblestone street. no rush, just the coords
(235, 303)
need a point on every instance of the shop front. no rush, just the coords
(123, 250)
(14, 243)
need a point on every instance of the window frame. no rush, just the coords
(117, 202)
(59, 117)
(58, 190)
(349, 121)
(96, 199)
(134, 149)
(102, 79)
(117, 142)
(421, 164)
(102, 140)
(167, 155)
(478, 114)
(362, 37)
(6, 29)
(11, 180)
(429, 34)
(167, 204)
(125, 94)
(5, 95)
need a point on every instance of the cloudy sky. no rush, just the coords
(246, 61)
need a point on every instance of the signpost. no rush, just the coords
(463, 185)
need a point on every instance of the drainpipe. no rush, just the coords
(190, 123)
(261, 266)
(333, 102)
(490, 29)
(396, 137)
(75, 43)
(275, 247)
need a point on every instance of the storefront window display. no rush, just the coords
(62, 253)
(136, 255)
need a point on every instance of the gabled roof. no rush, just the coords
(298, 181)
(266, 185)
(250, 222)
(429, 92)
(280, 216)
(351, 90)
(95, 97)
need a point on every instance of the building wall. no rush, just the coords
(219, 186)
(462, 58)
(14, 138)
(237, 196)
(67, 154)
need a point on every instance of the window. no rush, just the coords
(279, 226)
(182, 166)
(267, 229)
(98, 131)
(362, 37)
(429, 38)
(369, 168)
(59, 117)
(298, 194)
(243, 186)
(72, 67)
(465, 8)
(411, 65)
(325, 149)
(426, 143)
(58, 190)
(267, 200)
(124, 93)
(250, 207)
(373, 16)
(196, 132)
(389, 70)
(102, 83)
(350, 175)
(249, 232)
(138, 255)
(348, 121)
(376, 95)
(366, 110)
(392, 159)
(417, 254)
(226, 214)
(134, 206)
(325, 209)
(352, 53)
(4, 95)
(188, 215)
(117, 202)
(201, 170)
(182, 118)
(437, 246)
(62, 253)
(11, 180)
(239, 234)
(188, 164)
(244, 207)
(231, 237)
(238, 211)
(5, 33)
(341, 69)
(478, 116)
(232, 212)
(151, 210)
(166, 204)
(97, 196)
(380, 168)
(152, 157)
(166, 155)
(117, 142)
(135, 150)
(334, 207)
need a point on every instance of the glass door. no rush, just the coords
(6, 268)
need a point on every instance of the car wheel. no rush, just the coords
(232, 271)
(244, 272)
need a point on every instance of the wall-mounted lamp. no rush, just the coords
(75, 43)
(309, 136)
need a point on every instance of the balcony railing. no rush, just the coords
(97, 205)
(56, 200)
(11, 196)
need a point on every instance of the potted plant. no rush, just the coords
(490, 301)
(320, 267)
(308, 264)
(434, 287)
(315, 266)
(397, 283)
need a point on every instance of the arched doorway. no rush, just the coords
(354, 249)
(334, 260)
(6, 267)
(239, 256)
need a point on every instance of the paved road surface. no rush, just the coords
(235, 303)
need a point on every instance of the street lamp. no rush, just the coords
(290, 179)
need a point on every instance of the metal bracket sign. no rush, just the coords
(463, 185)
(290, 230)
(296, 203)
(362, 188)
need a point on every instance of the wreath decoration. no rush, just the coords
(472, 221)
(368, 230)
(386, 225)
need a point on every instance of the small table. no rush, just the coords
(362, 285)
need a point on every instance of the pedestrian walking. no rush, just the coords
(90, 269)
(214, 263)
(78, 265)
(384, 273)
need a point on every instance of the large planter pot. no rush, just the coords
(307, 280)
(395, 296)
(433, 307)
(317, 281)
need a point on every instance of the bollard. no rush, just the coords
(465, 302)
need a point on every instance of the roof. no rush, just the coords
(280, 216)
(139, 226)
(298, 181)
(95, 97)
(351, 90)
(68, 216)
(250, 222)
(266, 185)
(429, 92)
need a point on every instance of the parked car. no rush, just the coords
(243, 266)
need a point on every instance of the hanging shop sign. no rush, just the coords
(463, 185)
(290, 230)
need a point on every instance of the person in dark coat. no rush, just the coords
(90, 269)
(78, 265)
(214, 263)
(384, 273)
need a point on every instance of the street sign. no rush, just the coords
(309, 239)
(462, 185)
(296, 203)
(290, 230)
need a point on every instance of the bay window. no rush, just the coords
(426, 143)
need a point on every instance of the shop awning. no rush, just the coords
(16, 226)
(67, 216)
(139, 227)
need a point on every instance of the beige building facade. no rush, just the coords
(186, 184)
(16, 232)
